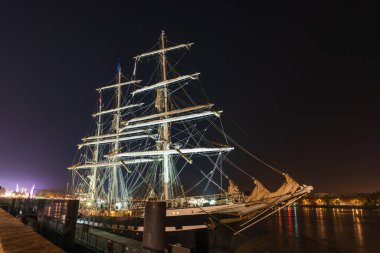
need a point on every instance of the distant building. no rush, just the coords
(335, 199)
(2, 191)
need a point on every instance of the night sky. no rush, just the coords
(298, 82)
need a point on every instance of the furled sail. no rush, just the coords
(164, 50)
(173, 119)
(166, 83)
(116, 134)
(232, 188)
(128, 138)
(171, 152)
(258, 193)
(118, 85)
(169, 113)
(117, 109)
(289, 186)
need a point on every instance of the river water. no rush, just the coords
(303, 229)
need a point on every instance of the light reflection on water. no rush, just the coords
(290, 225)
(297, 229)
(296, 232)
(55, 209)
(321, 223)
(358, 226)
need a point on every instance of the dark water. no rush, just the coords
(301, 229)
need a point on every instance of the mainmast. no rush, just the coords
(164, 135)
(116, 124)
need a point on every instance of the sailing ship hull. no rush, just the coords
(233, 216)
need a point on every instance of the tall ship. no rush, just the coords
(158, 137)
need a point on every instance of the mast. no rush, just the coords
(114, 182)
(164, 134)
(96, 152)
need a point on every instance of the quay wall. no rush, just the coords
(17, 237)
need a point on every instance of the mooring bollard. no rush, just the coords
(154, 227)
(40, 212)
(70, 224)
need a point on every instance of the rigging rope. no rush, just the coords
(247, 152)
(253, 156)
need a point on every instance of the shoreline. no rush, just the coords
(342, 206)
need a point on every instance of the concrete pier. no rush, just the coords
(17, 237)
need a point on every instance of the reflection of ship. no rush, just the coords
(157, 141)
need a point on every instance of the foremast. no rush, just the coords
(96, 151)
(100, 176)
(113, 184)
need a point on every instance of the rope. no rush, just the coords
(253, 156)
(237, 167)
(247, 152)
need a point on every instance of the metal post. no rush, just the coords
(40, 212)
(154, 227)
(70, 224)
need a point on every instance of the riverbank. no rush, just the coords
(342, 200)
(341, 206)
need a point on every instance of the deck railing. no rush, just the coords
(84, 236)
